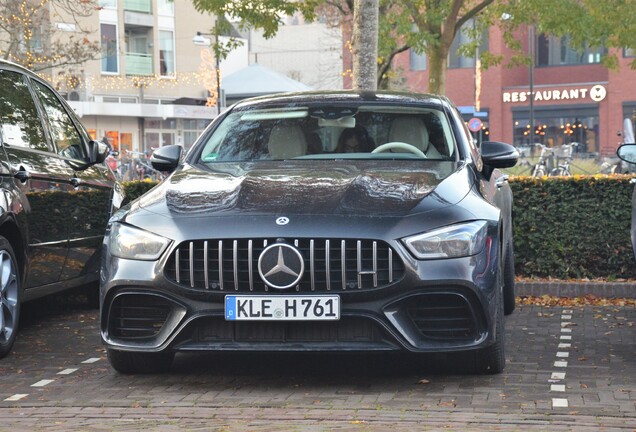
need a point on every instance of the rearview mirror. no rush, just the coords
(627, 152)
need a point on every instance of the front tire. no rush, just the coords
(9, 297)
(127, 362)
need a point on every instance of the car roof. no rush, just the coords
(343, 97)
(6, 64)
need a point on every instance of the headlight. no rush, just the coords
(134, 243)
(449, 242)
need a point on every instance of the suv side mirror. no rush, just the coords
(97, 152)
(627, 153)
(166, 158)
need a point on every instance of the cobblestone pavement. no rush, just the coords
(567, 369)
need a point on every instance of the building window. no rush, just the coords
(629, 52)
(165, 7)
(110, 4)
(166, 53)
(417, 62)
(191, 130)
(554, 128)
(109, 48)
(455, 59)
(558, 51)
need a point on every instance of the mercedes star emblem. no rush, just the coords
(281, 266)
(282, 220)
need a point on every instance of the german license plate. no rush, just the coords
(282, 308)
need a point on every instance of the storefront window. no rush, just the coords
(553, 130)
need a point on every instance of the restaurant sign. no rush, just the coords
(596, 93)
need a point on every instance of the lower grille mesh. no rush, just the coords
(136, 316)
(347, 330)
(443, 317)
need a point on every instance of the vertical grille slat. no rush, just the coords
(343, 263)
(330, 264)
(220, 262)
(191, 266)
(250, 264)
(235, 264)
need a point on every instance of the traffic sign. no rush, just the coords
(474, 124)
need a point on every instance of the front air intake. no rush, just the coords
(138, 316)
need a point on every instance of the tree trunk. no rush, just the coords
(437, 70)
(365, 45)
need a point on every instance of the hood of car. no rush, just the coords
(386, 188)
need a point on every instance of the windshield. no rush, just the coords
(365, 132)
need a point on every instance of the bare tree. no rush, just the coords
(45, 34)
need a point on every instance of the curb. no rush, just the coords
(576, 289)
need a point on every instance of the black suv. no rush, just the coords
(56, 197)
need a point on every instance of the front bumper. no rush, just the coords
(437, 306)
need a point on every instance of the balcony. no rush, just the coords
(144, 6)
(138, 64)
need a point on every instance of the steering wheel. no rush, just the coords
(397, 145)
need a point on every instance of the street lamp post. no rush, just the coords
(531, 72)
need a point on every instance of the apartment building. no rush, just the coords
(153, 86)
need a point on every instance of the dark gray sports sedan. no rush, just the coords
(316, 222)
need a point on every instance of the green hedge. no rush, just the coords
(573, 227)
(564, 228)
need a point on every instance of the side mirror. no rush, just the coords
(97, 152)
(627, 153)
(499, 155)
(166, 158)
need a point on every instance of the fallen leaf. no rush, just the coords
(423, 381)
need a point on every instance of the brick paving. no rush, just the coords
(317, 392)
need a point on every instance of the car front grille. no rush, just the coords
(330, 265)
(443, 317)
(136, 316)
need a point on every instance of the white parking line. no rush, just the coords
(559, 403)
(42, 383)
(16, 397)
(556, 377)
(91, 360)
(68, 371)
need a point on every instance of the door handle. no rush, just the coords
(75, 182)
(22, 175)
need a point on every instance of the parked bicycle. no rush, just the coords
(564, 153)
(541, 168)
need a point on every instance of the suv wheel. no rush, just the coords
(9, 297)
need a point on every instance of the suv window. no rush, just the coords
(19, 119)
(65, 135)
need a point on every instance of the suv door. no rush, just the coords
(40, 178)
(88, 199)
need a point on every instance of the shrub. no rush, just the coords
(573, 227)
